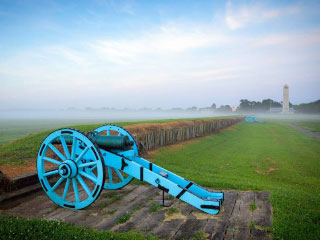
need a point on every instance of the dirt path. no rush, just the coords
(305, 131)
(237, 219)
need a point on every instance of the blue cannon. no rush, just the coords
(251, 118)
(107, 158)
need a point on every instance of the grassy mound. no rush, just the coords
(25, 149)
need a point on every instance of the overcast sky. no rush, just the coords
(58, 54)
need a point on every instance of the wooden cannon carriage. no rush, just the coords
(107, 158)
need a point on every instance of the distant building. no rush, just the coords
(285, 101)
(279, 110)
(235, 108)
(276, 109)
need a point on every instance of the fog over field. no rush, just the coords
(18, 123)
(106, 116)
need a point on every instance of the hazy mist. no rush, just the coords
(106, 116)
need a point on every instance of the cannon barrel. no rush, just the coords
(104, 142)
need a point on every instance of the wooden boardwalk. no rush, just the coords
(134, 203)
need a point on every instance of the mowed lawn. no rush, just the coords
(258, 156)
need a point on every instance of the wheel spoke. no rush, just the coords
(82, 154)
(74, 146)
(88, 164)
(52, 160)
(119, 134)
(50, 173)
(119, 174)
(92, 174)
(57, 184)
(94, 167)
(84, 185)
(66, 188)
(65, 147)
(110, 174)
(108, 132)
(94, 180)
(75, 189)
(57, 152)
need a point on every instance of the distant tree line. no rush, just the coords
(267, 104)
(312, 107)
(256, 106)
(245, 106)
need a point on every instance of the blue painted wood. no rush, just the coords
(120, 182)
(71, 167)
(251, 118)
(85, 161)
(172, 183)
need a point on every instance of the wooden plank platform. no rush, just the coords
(244, 215)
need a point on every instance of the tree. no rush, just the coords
(266, 104)
(312, 107)
(256, 106)
(194, 108)
(245, 105)
(213, 106)
(225, 108)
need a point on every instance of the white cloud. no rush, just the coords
(270, 40)
(66, 54)
(167, 40)
(304, 39)
(239, 17)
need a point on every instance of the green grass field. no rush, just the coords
(26, 148)
(12, 228)
(309, 122)
(255, 156)
(259, 156)
(12, 129)
(313, 126)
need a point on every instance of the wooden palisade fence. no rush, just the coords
(159, 136)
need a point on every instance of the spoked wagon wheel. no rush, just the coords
(116, 178)
(67, 157)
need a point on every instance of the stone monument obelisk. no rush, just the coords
(285, 101)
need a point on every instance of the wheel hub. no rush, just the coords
(68, 169)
